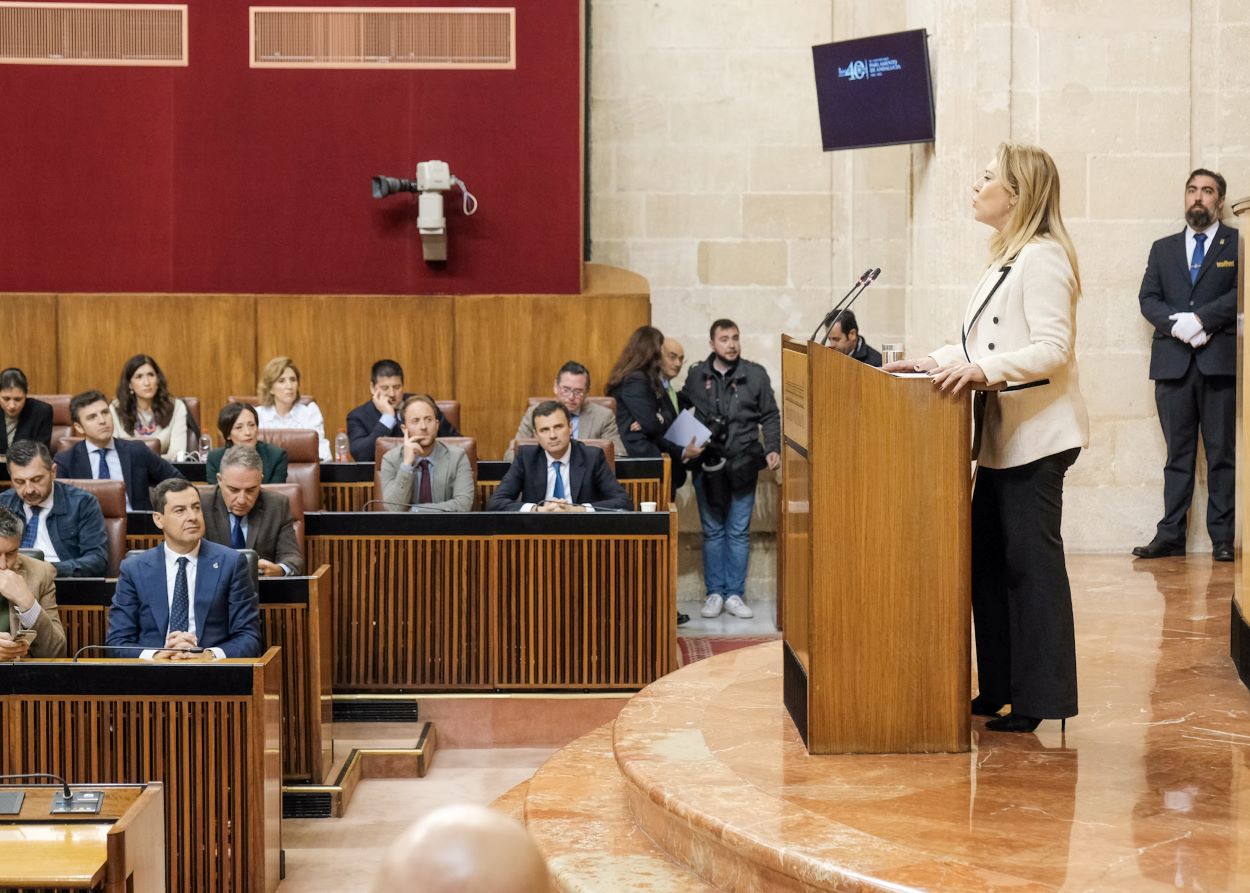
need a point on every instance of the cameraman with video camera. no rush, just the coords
(734, 398)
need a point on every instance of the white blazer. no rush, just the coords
(1025, 334)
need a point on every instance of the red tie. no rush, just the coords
(424, 491)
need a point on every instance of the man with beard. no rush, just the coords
(1189, 294)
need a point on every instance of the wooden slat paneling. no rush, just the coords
(334, 339)
(345, 497)
(204, 343)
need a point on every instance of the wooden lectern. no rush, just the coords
(875, 571)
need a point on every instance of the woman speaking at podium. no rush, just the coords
(1018, 353)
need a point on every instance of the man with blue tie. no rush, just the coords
(62, 521)
(558, 474)
(186, 593)
(101, 456)
(1189, 295)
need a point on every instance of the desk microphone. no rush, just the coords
(69, 795)
(861, 283)
(138, 648)
(385, 502)
(872, 277)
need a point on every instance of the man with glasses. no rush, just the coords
(589, 421)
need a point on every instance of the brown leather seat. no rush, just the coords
(609, 449)
(451, 411)
(62, 424)
(112, 498)
(609, 402)
(303, 461)
(385, 444)
(193, 412)
(153, 443)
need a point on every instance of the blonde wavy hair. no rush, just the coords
(1029, 174)
(272, 372)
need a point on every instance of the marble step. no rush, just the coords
(575, 808)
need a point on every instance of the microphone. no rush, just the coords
(69, 795)
(385, 502)
(861, 283)
(138, 648)
(871, 278)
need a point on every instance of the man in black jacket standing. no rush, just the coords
(734, 398)
(1189, 294)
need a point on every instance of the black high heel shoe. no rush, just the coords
(1018, 722)
(983, 706)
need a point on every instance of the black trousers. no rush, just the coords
(1187, 405)
(1021, 600)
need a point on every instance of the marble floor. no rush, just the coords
(1149, 789)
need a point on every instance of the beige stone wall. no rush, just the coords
(707, 177)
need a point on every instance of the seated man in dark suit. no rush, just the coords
(24, 418)
(66, 523)
(241, 515)
(559, 474)
(379, 417)
(423, 474)
(103, 456)
(844, 337)
(27, 598)
(187, 592)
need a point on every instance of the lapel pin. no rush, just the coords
(216, 564)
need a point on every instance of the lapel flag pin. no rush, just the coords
(216, 565)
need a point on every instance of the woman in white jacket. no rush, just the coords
(1017, 352)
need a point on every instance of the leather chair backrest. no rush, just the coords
(112, 498)
(64, 443)
(62, 424)
(609, 402)
(451, 411)
(193, 414)
(609, 449)
(303, 461)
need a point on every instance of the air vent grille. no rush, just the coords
(93, 34)
(392, 37)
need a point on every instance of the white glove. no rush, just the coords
(1200, 339)
(1186, 326)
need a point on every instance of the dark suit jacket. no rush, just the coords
(1166, 289)
(227, 610)
(75, 526)
(655, 414)
(270, 528)
(590, 479)
(364, 427)
(866, 354)
(142, 469)
(273, 463)
(34, 422)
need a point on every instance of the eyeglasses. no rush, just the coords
(572, 392)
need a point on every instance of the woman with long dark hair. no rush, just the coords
(643, 411)
(144, 407)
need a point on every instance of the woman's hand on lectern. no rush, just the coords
(924, 364)
(957, 376)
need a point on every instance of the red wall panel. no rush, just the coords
(223, 178)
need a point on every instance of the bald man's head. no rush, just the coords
(672, 358)
(464, 849)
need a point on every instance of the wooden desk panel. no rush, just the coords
(210, 733)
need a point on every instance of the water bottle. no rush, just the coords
(340, 447)
(206, 444)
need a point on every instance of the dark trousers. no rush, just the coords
(1187, 405)
(1021, 600)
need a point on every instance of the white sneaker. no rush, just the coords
(737, 607)
(711, 607)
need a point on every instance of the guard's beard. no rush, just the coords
(1199, 217)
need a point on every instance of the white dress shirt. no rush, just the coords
(1191, 244)
(171, 575)
(111, 459)
(302, 415)
(43, 541)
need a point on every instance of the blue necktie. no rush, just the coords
(236, 533)
(32, 528)
(1195, 265)
(181, 605)
(557, 491)
(104, 466)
